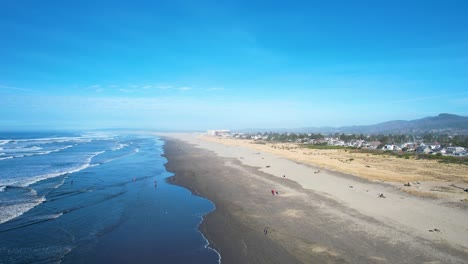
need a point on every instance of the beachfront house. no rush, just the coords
(336, 142)
(409, 146)
(372, 144)
(218, 133)
(455, 150)
(391, 147)
(424, 149)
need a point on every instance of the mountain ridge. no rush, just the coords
(442, 123)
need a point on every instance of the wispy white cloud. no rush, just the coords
(7, 87)
(145, 87)
(185, 88)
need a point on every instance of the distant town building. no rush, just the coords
(455, 150)
(427, 150)
(218, 133)
(372, 144)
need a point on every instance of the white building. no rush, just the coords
(218, 133)
(455, 150)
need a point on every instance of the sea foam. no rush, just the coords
(27, 181)
(10, 212)
(120, 146)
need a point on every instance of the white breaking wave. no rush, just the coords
(39, 153)
(25, 182)
(49, 140)
(4, 158)
(120, 146)
(60, 183)
(55, 150)
(35, 179)
(3, 142)
(109, 160)
(2, 188)
(33, 148)
(48, 217)
(10, 212)
(207, 243)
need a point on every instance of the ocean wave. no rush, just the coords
(3, 142)
(123, 156)
(11, 143)
(38, 178)
(38, 153)
(59, 184)
(22, 149)
(2, 188)
(25, 182)
(55, 150)
(10, 212)
(207, 242)
(4, 158)
(120, 146)
(51, 139)
(30, 191)
(47, 217)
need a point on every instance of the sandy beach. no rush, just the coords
(320, 215)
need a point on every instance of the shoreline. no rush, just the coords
(299, 230)
(220, 227)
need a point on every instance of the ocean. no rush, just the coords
(95, 198)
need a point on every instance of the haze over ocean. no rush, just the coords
(94, 198)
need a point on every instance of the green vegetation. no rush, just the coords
(445, 139)
(319, 142)
(324, 146)
(417, 156)
(445, 159)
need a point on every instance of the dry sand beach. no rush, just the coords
(323, 212)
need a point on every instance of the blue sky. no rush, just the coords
(229, 64)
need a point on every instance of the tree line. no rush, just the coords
(443, 139)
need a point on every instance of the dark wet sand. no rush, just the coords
(303, 226)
